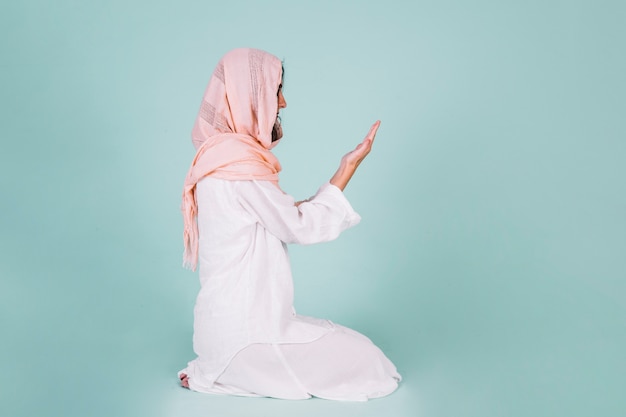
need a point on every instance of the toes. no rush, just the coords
(184, 380)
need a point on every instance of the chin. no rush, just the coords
(277, 132)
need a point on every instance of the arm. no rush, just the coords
(351, 161)
(318, 219)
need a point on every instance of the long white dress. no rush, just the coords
(247, 336)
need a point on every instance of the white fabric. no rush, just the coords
(247, 336)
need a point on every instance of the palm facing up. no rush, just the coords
(359, 153)
(353, 159)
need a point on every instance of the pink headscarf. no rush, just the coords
(233, 130)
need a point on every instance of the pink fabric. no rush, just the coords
(233, 131)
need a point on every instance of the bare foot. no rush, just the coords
(184, 380)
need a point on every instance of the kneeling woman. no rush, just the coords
(247, 336)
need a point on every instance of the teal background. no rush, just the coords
(490, 263)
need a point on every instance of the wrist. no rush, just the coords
(342, 176)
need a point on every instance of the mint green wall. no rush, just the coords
(490, 264)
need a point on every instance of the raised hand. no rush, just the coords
(353, 159)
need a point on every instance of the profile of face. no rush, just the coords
(277, 131)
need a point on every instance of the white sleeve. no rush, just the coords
(319, 219)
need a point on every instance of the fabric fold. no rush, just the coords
(233, 131)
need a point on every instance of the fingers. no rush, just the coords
(368, 141)
(362, 149)
(372, 133)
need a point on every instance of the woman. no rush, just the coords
(247, 336)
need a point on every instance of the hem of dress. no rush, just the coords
(222, 389)
(209, 389)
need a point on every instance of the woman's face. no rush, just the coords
(281, 99)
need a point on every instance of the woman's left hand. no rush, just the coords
(351, 160)
(355, 157)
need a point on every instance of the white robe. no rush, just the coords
(247, 336)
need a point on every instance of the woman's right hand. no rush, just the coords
(351, 160)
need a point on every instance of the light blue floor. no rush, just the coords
(101, 340)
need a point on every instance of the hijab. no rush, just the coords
(232, 133)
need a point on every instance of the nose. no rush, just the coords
(282, 103)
